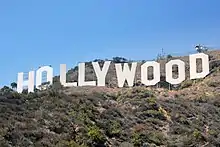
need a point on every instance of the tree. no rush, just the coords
(169, 56)
(119, 60)
(13, 85)
(6, 89)
(200, 48)
(98, 60)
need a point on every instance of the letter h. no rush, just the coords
(21, 82)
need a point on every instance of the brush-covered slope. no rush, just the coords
(104, 117)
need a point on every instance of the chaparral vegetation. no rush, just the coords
(181, 115)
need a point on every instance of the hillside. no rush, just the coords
(111, 80)
(188, 115)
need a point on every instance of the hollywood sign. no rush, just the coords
(123, 73)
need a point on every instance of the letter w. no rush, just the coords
(125, 74)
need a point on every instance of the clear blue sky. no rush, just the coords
(50, 32)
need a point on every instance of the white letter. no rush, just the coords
(63, 77)
(156, 73)
(169, 71)
(101, 74)
(193, 67)
(125, 74)
(49, 71)
(20, 82)
(81, 77)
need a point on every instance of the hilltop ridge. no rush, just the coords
(111, 78)
(187, 115)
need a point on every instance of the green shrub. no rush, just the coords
(156, 138)
(152, 100)
(152, 137)
(136, 139)
(213, 133)
(155, 114)
(114, 128)
(196, 134)
(95, 134)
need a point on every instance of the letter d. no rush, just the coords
(193, 66)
